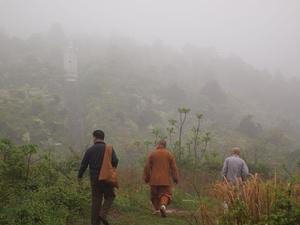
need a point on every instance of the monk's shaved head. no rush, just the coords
(236, 151)
(162, 143)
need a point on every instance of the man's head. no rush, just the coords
(98, 135)
(236, 151)
(162, 144)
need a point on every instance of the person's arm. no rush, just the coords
(225, 169)
(114, 159)
(245, 171)
(174, 170)
(147, 169)
(84, 165)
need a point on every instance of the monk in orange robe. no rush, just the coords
(159, 172)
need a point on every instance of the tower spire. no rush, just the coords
(70, 63)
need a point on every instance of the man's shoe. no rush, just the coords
(163, 211)
(104, 221)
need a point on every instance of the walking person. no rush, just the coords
(159, 172)
(102, 191)
(235, 169)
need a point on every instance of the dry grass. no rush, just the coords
(250, 202)
(254, 199)
(203, 215)
(200, 217)
(255, 195)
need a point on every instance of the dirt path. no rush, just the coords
(179, 212)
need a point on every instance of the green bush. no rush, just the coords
(39, 191)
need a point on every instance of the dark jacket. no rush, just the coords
(93, 158)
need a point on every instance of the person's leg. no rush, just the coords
(97, 198)
(164, 199)
(109, 196)
(154, 190)
(165, 195)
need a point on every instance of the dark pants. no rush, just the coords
(160, 195)
(101, 191)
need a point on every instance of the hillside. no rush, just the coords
(128, 89)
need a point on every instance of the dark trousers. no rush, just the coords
(101, 191)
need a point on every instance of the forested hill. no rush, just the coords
(128, 88)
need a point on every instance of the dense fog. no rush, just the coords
(195, 101)
(264, 33)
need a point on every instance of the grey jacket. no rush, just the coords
(235, 169)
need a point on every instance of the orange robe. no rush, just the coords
(159, 171)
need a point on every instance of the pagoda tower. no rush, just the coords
(72, 100)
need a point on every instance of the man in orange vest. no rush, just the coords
(159, 172)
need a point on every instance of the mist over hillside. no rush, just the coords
(264, 33)
(128, 88)
(184, 112)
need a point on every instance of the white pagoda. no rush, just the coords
(70, 64)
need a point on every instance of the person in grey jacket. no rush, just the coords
(235, 169)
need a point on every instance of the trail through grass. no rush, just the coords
(146, 218)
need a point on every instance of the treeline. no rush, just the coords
(129, 88)
(36, 188)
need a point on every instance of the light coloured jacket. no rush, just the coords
(235, 169)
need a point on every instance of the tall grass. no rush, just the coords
(258, 202)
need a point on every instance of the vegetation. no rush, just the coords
(36, 189)
(202, 103)
(259, 202)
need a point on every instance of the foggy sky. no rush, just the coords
(265, 33)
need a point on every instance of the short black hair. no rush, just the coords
(99, 134)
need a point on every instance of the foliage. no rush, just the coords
(189, 149)
(258, 202)
(126, 88)
(34, 189)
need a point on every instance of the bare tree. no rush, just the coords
(206, 139)
(196, 133)
(156, 132)
(182, 118)
(171, 130)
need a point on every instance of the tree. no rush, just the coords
(214, 92)
(249, 127)
(196, 131)
(156, 132)
(206, 139)
(182, 119)
(171, 130)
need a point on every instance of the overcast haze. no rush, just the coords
(265, 33)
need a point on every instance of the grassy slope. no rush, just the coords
(138, 210)
(132, 207)
(140, 217)
(146, 218)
